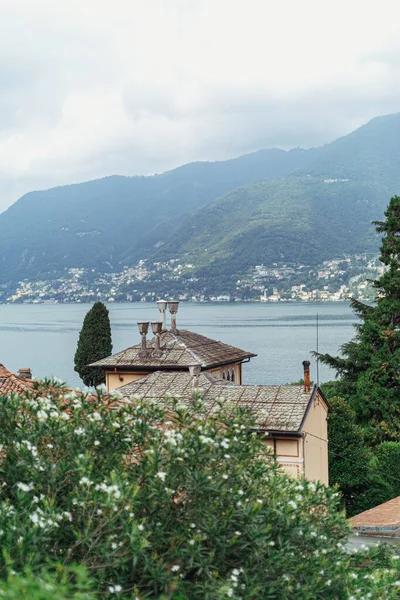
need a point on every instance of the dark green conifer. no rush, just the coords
(371, 362)
(94, 343)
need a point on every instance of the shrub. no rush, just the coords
(61, 584)
(167, 501)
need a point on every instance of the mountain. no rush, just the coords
(371, 153)
(268, 206)
(116, 221)
(322, 210)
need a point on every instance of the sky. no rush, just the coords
(91, 88)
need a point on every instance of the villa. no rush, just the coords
(291, 418)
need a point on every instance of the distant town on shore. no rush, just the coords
(333, 280)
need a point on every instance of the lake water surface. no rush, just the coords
(43, 337)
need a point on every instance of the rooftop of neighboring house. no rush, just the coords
(173, 349)
(382, 519)
(276, 407)
(12, 383)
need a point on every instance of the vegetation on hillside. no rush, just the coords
(312, 204)
(116, 221)
(296, 219)
(167, 501)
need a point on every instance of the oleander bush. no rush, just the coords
(167, 501)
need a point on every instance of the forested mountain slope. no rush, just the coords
(322, 210)
(269, 206)
(115, 221)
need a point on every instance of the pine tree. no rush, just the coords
(94, 343)
(371, 362)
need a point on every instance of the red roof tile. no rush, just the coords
(384, 516)
(11, 383)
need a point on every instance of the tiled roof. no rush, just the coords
(4, 372)
(276, 407)
(10, 383)
(178, 350)
(384, 516)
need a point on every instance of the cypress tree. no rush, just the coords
(94, 343)
(371, 362)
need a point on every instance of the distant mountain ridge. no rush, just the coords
(117, 220)
(268, 206)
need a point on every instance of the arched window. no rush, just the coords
(233, 375)
(229, 376)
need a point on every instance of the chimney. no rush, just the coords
(162, 307)
(194, 371)
(307, 385)
(143, 329)
(173, 309)
(25, 373)
(157, 328)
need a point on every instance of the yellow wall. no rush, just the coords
(289, 454)
(113, 380)
(316, 442)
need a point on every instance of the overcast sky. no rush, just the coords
(96, 87)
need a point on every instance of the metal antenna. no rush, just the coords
(317, 352)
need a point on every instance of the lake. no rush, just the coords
(43, 336)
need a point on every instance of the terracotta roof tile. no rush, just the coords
(178, 350)
(4, 372)
(10, 383)
(384, 516)
(276, 408)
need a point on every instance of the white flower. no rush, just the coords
(42, 415)
(79, 431)
(114, 589)
(101, 388)
(175, 568)
(225, 476)
(85, 481)
(50, 446)
(114, 545)
(191, 542)
(259, 501)
(140, 527)
(161, 475)
(240, 492)
(25, 487)
(96, 416)
(292, 504)
(96, 443)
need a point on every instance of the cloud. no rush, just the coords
(135, 87)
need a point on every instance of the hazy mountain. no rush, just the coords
(320, 211)
(267, 206)
(115, 221)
